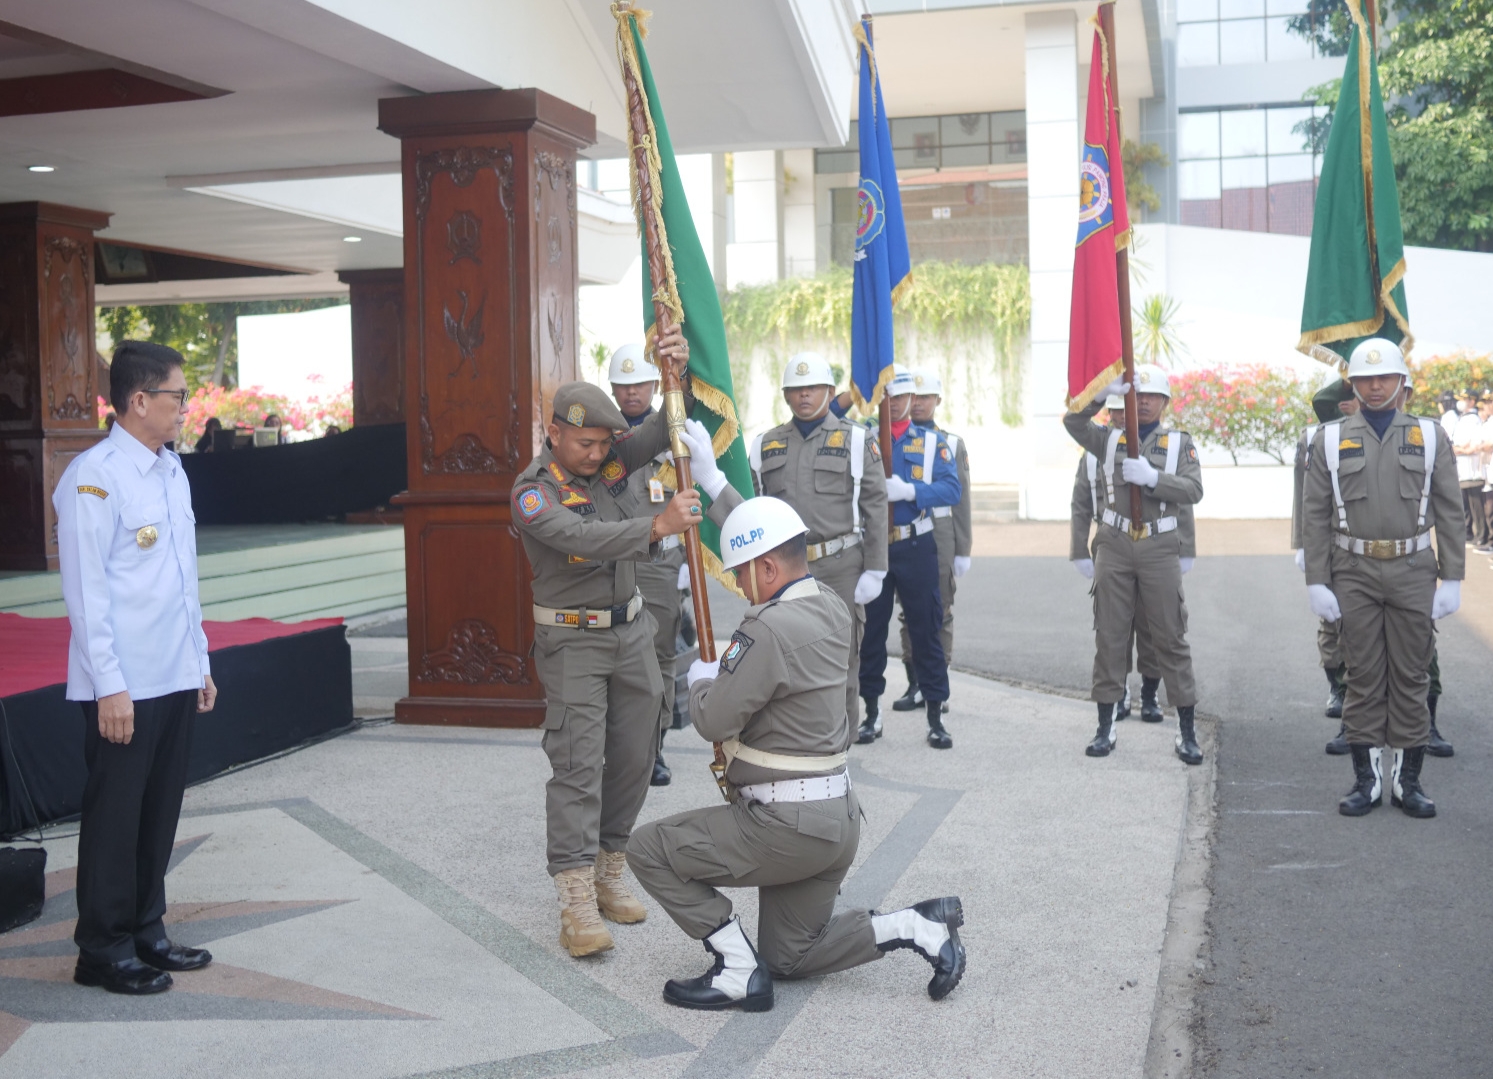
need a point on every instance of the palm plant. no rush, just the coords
(1155, 323)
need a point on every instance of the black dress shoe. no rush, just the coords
(948, 964)
(1150, 710)
(1104, 738)
(168, 956)
(128, 976)
(938, 737)
(661, 773)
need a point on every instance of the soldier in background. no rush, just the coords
(635, 380)
(953, 532)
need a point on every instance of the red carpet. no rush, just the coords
(33, 651)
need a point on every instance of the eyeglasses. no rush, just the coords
(180, 395)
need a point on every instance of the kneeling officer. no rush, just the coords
(777, 703)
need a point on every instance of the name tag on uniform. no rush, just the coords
(655, 490)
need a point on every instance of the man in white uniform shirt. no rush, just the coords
(137, 660)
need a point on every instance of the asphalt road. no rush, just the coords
(1339, 947)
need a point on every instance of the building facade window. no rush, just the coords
(963, 185)
(1215, 32)
(1250, 169)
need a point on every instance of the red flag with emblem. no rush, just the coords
(1094, 349)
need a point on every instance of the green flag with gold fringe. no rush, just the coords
(688, 290)
(1355, 285)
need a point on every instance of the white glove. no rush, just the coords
(1324, 603)
(961, 565)
(868, 585)
(1139, 470)
(899, 490)
(1186, 565)
(1085, 567)
(703, 469)
(700, 669)
(1301, 559)
(684, 577)
(1118, 388)
(1448, 599)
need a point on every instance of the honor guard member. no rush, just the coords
(776, 702)
(137, 659)
(1377, 484)
(924, 477)
(1138, 565)
(953, 533)
(1085, 510)
(829, 470)
(634, 380)
(593, 645)
(1331, 403)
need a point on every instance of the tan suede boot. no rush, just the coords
(581, 929)
(612, 895)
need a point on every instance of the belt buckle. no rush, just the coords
(1139, 533)
(1381, 548)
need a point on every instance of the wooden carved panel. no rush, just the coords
(557, 280)
(20, 374)
(378, 345)
(67, 328)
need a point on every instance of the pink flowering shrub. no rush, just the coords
(248, 408)
(1242, 408)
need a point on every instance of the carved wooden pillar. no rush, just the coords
(490, 288)
(48, 376)
(378, 344)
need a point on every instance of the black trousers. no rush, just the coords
(912, 575)
(131, 804)
(1477, 515)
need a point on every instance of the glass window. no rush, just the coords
(1289, 168)
(1285, 7)
(1241, 41)
(1008, 136)
(1198, 180)
(1281, 130)
(965, 130)
(1197, 135)
(836, 161)
(1240, 9)
(1242, 172)
(1196, 10)
(909, 132)
(1242, 133)
(1197, 44)
(964, 156)
(1281, 44)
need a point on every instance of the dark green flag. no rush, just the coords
(1355, 280)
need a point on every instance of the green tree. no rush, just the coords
(1134, 157)
(206, 334)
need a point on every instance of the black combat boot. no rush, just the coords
(931, 928)
(661, 774)
(1405, 792)
(737, 979)
(1437, 746)
(1187, 739)
(912, 700)
(1368, 783)
(1335, 692)
(1338, 747)
(1122, 710)
(1104, 739)
(870, 728)
(938, 738)
(1150, 711)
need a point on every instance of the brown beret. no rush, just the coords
(580, 404)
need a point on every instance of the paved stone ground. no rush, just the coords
(378, 907)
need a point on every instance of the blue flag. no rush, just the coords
(882, 264)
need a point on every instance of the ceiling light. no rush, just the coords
(40, 168)
(352, 239)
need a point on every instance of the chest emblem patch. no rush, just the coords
(1414, 436)
(613, 471)
(836, 438)
(917, 472)
(530, 502)
(146, 538)
(569, 496)
(915, 446)
(1350, 444)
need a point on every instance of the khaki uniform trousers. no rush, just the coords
(1388, 641)
(943, 538)
(660, 587)
(1125, 570)
(794, 853)
(840, 572)
(601, 731)
(1329, 644)
(1145, 654)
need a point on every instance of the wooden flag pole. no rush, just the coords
(1122, 281)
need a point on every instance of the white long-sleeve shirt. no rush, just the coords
(127, 542)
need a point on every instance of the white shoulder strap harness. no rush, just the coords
(1091, 466)
(1332, 451)
(930, 447)
(857, 473)
(1173, 455)
(754, 455)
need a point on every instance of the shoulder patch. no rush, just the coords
(1192, 453)
(875, 444)
(740, 642)
(87, 489)
(530, 501)
(944, 453)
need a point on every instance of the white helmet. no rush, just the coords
(1376, 356)
(927, 383)
(631, 365)
(757, 526)
(902, 382)
(807, 369)
(1151, 379)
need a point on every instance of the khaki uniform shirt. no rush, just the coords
(1381, 483)
(1303, 448)
(582, 534)
(781, 687)
(963, 515)
(1184, 488)
(813, 476)
(640, 489)
(1083, 518)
